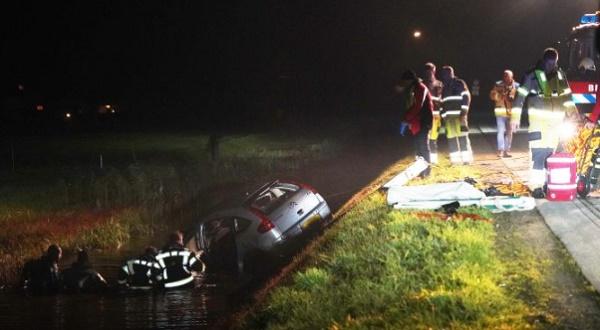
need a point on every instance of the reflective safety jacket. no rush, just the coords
(503, 96)
(548, 101)
(455, 107)
(176, 266)
(140, 273)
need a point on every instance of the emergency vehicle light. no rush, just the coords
(589, 19)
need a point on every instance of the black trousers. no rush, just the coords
(421, 141)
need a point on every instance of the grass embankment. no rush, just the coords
(383, 268)
(60, 193)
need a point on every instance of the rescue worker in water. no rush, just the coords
(548, 97)
(140, 273)
(81, 276)
(177, 263)
(41, 276)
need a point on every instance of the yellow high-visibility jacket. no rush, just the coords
(548, 102)
(503, 96)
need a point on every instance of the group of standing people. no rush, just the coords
(431, 104)
(174, 266)
(544, 91)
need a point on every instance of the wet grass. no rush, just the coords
(60, 191)
(391, 269)
(382, 268)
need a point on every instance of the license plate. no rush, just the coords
(310, 221)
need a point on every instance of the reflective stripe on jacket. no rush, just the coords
(455, 107)
(139, 273)
(548, 100)
(176, 266)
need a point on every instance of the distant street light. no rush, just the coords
(417, 34)
(68, 115)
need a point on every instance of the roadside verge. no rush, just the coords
(381, 267)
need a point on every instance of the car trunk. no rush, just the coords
(294, 210)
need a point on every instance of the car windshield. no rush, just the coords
(269, 199)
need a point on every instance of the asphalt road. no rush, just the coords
(575, 223)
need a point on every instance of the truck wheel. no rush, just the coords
(583, 186)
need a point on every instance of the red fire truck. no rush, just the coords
(584, 61)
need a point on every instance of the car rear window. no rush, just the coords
(269, 199)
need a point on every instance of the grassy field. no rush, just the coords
(100, 191)
(139, 168)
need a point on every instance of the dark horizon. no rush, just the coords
(197, 61)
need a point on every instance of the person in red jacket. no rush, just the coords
(419, 114)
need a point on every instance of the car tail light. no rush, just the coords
(265, 223)
(305, 186)
(308, 187)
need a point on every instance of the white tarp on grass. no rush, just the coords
(433, 196)
(434, 205)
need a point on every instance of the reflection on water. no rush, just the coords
(161, 310)
(191, 308)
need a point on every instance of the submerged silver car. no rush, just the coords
(269, 223)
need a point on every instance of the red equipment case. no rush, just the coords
(562, 177)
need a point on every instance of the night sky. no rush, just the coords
(192, 58)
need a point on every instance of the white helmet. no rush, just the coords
(587, 64)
